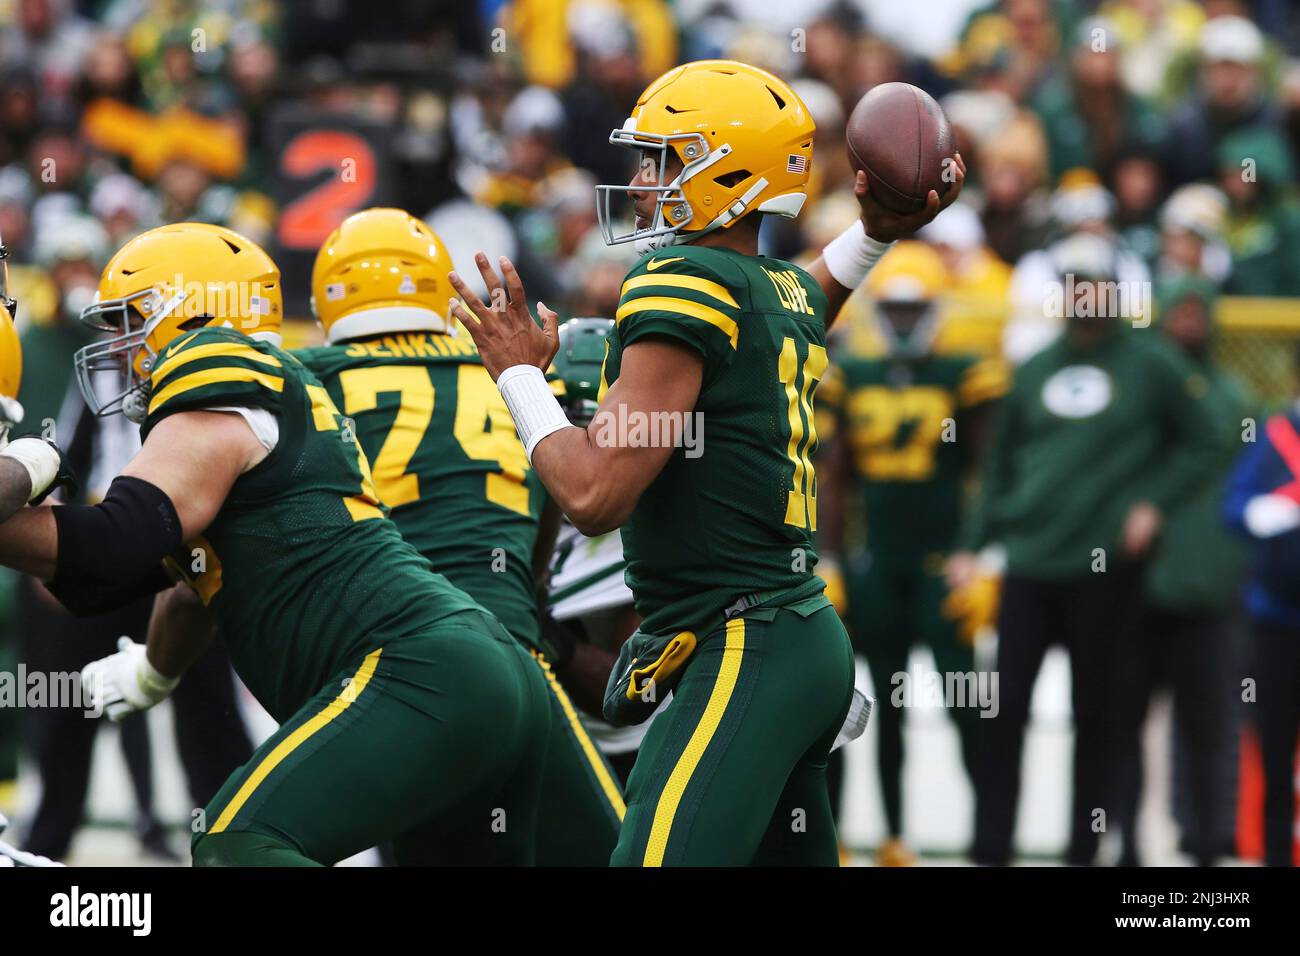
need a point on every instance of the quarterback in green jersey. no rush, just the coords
(908, 427)
(446, 459)
(701, 451)
(404, 707)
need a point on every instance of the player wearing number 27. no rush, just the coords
(718, 544)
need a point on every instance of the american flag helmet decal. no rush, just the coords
(796, 164)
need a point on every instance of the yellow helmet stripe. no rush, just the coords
(658, 303)
(694, 283)
(213, 376)
(224, 349)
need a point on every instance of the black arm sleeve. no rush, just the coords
(110, 554)
(88, 598)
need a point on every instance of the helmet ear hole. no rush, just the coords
(732, 179)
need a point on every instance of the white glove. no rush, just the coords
(10, 857)
(125, 683)
(1267, 516)
(39, 457)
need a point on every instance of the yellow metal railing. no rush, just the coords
(1259, 338)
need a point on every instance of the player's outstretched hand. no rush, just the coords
(503, 329)
(125, 683)
(46, 471)
(884, 225)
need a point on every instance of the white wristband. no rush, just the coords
(851, 254)
(153, 683)
(532, 405)
(39, 458)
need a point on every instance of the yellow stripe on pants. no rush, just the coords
(598, 766)
(300, 736)
(678, 780)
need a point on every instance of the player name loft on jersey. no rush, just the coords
(947, 689)
(1080, 297)
(62, 689)
(242, 304)
(621, 428)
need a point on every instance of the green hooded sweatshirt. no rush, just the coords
(1084, 434)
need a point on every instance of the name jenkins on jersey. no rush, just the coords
(446, 460)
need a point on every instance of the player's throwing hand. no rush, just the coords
(885, 225)
(503, 330)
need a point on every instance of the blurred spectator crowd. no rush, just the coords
(1131, 118)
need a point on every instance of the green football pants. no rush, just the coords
(889, 611)
(733, 771)
(436, 742)
(582, 802)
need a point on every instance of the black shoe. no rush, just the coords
(153, 843)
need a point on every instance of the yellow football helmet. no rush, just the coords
(381, 270)
(167, 281)
(906, 284)
(744, 139)
(11, 372)
(11, 355)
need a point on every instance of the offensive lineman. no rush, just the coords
(402, 705)
(446, 460)
(28, 472)
(719, 544)
(30, 468)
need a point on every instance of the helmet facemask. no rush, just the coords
(673, 211)
(127, 354)
(11, 413)
(6, 300)
(908, 327)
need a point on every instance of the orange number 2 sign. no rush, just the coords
(310, 218)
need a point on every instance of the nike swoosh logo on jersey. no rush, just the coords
(179, 345)
(654, 264)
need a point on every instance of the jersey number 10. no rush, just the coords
(801, 505)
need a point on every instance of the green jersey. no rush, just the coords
(733, 511)
(301, 569)
(902, 422)
(446, 460)
(1086, 431)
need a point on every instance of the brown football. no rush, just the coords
(899, 135)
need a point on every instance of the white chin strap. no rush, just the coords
(649, 244)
